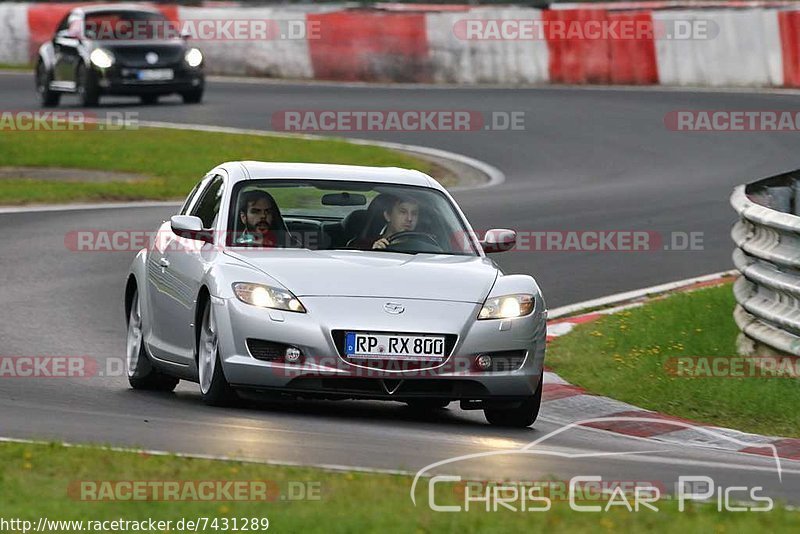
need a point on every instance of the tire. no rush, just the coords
(214, 387)
(47, 97)
(141, 373)
(192, 97)
(522, 416)
(427, 405)
(149, 99)
(87, 88)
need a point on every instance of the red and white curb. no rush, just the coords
(569, 404)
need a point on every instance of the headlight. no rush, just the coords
(267, 297)
(507, 307)
(101, 58)
(194, 57)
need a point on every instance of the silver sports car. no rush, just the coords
(333, 281)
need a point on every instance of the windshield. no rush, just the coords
(326, 215)
(128, 25)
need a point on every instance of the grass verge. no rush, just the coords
(45, 481)
(173, 159)
(627, 356)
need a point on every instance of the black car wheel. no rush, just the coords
(149, 99)
(48, 97)
(523, 415)
(88, 89)
(192, 97)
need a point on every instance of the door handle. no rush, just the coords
(163, 262)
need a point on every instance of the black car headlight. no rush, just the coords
(193, 57)
(101, 58)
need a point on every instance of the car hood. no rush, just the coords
(375, 274)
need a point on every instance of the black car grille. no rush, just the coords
(265, 350)
(379, 388)
(508, 360)
(394, 365)
(134, 56)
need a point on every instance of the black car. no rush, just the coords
(114, 50)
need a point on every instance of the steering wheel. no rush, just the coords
(419, 237)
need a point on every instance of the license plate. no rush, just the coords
(365, 346)
(152, 75)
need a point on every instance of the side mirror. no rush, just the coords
(499, 240)
(190, 227)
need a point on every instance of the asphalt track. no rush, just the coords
(586, 160)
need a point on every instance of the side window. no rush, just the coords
(207, 208)
(184, 210)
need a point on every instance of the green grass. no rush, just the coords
(16, 66)
(624, 356)
(42, 480)
(174, 160)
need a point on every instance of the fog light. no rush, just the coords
(483, 362)
(292, 355)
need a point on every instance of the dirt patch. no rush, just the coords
(63, 174)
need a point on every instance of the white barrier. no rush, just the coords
(746, 50)
(14, 34)
(455, 59)
(275, 58)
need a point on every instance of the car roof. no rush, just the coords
(100, 8)
(255, 170)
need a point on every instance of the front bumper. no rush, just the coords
(323, 372)
(122, 80)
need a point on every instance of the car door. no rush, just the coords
(176, 270)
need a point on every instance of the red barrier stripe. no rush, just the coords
(552, 392)
(633, 61)
(573, 59)
(368, 45)
(786, 448)
(789, 24)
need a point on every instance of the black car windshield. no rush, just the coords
(327, 215)
(128, 25)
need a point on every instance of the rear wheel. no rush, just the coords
(141, 373)
(47, 97)
(523, 415)
(87, 87)
(214, 387)
(427, 405)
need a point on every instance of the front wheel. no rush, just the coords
(87, 87)
(194, 96)
(522, 416)
(47, 96)
(141, 373)
(214, 387)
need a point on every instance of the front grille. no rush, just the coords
(508, 360)
(389, 364)
(265, 350)
(134, 56)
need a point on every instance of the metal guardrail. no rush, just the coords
(767, 238)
